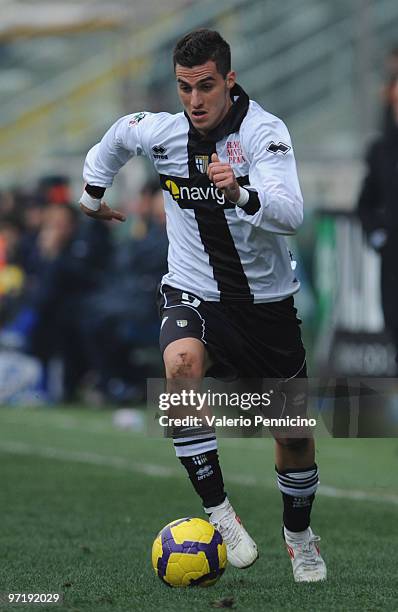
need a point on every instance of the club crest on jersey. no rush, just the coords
(182, 322)
(202, 163)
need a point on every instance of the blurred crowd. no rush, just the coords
(377, 204)
(77, 296)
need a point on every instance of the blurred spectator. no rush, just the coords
(378, 210)
(11, 272)
(391, 74)
(8, 205)
(54, 189)
(122, 315)
(71, 294)
(68, 260)
(33, 212)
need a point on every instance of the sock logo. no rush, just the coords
(301, 502)
(204, 472)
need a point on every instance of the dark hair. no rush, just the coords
(200, 46)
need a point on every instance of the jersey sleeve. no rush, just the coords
(275, 200)
(127, 137)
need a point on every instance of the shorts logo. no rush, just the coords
(281, 147)
(235, 153)
(202, 163)
(136, 119)
(182, 322)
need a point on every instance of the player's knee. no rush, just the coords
(184, 364)
(295, 444)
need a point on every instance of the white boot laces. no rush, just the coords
(228, 527)
(308, 554)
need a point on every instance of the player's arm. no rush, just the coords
(122, 141)
(275, 203)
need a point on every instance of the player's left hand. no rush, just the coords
(105, 213)
(223, 177)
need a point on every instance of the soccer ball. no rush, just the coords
(189, 552)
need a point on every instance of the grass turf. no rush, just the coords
(80, 504)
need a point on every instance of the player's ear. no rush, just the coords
(231, 79)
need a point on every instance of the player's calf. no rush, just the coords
(197, 451)
(205, 475)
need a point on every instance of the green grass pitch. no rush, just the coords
(81, 502)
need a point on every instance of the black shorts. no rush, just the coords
(244, 340)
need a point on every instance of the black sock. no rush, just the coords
(205, 474)
(298, 488)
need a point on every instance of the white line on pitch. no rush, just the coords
(151, 469)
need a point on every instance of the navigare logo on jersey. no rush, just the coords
(185, 192)
(202, 163)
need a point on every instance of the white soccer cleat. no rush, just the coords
(303, 549)
(241, 549)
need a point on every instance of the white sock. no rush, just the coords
(296, 536)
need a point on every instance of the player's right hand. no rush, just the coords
(105, 213)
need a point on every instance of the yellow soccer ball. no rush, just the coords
(189, 552)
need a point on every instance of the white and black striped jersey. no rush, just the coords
(217, 250)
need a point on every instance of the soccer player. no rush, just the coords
(231, 193)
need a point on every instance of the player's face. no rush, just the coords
(204, 94)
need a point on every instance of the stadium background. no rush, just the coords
(68, 70)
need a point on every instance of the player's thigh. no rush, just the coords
(182, 334)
